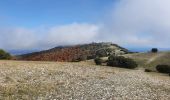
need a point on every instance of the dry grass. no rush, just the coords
(51, 80)
(150, 60)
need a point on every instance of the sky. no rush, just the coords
(43, 24)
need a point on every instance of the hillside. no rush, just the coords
(150, 60)
(71, 53)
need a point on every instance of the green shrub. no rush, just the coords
(98, 61)
(4, 55)
(120, 61)
(148, 70)
(163, 68)
(91, 57)
(101, 53)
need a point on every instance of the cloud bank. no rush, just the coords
(43, 38)
(134, 23)
(140, 23)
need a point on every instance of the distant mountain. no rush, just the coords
(20, 52)
(72, 53)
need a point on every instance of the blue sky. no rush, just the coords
(43, 24)
(33, 13)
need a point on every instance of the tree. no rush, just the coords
(4, 55)
(154, 50)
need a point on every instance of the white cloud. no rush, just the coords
(43, 38)
(17, 38)
(72, 34)
(139, 23)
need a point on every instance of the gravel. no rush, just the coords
(79, 81)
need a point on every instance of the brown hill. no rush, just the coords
(71, 53)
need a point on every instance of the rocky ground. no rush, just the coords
(78, 81)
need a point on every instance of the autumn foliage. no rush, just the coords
(67, 53)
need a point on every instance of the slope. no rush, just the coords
(150, 60)
(70, 53)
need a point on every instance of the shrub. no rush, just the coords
(163, 68)
(154, 50)
(101, 53)
(148, 70)
(120, 61)
(98, 61)
(90, 57)
(4, 55)
(82, 58)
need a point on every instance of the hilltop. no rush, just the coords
(73, 53)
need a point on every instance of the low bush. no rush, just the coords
(98, 61)
(120, 61)
(82, 58)
(148, 70)
(101, 53)
(91, 57)
(163, 68)
(4, 55)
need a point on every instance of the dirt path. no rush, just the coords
(155, 57)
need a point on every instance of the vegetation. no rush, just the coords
(148, 70)
(150, 60)
(70, 53)
(80, 58)
(4, 55)
(120, 61)
(163, 68)
(154, 50)
(98, 61)
(101, 53)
